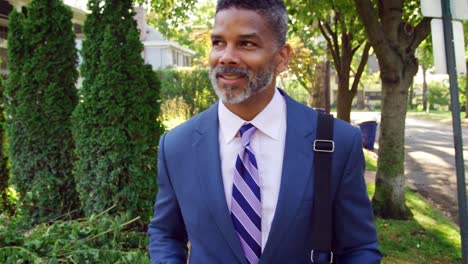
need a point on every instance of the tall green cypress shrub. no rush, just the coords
(42, 159)
(85, 117)
(115, 124)
(5, 205)
(15, 126)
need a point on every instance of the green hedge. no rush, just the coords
(5, 204)
(115, 124)
(191, 84)
(184, 93)
(41, 96)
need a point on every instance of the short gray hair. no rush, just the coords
(274, 11)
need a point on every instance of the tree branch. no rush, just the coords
(335, 52)
(421, 31)
(374, 30)
(361, 67)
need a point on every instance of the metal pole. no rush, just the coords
(455, 105)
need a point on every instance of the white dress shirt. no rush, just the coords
(268, 146)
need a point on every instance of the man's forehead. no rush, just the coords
(243, 22)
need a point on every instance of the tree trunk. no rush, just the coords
(345, 95)
(425, 90)
(344, 101)
(388, 200)
(327, 87)
(317, 95)
(394, 42)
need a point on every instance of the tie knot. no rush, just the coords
(246, 132)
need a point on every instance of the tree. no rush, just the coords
(438, 95)
(338, 23)
(394, 40)
(41, 95)
(5, 204)
(308, 72)
(425, 57)
(193, 33)
(16, 55)
(84, 116)
(115, 124)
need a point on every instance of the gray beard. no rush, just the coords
(254, 86)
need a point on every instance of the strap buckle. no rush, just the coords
(321, 257)
(322, 145)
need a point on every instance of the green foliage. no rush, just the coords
(438, 94)
(193, 33)
(5, 204)
(193, 86)
(91, 50)
(16, 54)
(294, 89)
(424, 53)
(170, 13)
(97, 239)
(344, 35)
(41, 95)
(115, 123)
(371, 160)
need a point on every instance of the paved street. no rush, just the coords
(429, 160)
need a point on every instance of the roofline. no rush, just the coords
(168, 43)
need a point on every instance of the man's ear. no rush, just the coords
(283, 56)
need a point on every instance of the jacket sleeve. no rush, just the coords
(355, 236)
(167, 233)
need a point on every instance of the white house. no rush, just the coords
(158, 51)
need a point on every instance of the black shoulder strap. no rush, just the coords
(324, 147)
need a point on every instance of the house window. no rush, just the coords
(5, 8)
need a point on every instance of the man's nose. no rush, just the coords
(229, 56)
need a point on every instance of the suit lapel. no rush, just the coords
(297, 165)
(206, 145)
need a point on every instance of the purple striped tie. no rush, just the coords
(246, 206)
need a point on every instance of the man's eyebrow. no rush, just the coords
(242, 36)
(215, 36)
(249, 36)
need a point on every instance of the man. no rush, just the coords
(237, 180)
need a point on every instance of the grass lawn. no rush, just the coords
(442, 116)
(371, 160)
(427, 238)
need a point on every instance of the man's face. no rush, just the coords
(244, 57)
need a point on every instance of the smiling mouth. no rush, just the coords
(230, 76)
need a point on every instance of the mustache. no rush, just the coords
(219, 70)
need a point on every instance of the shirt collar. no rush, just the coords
(267, 121)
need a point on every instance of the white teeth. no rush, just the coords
(230, 77)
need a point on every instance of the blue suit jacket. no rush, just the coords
(191, 204)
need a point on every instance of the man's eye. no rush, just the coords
(247, 44)
(216, 43)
